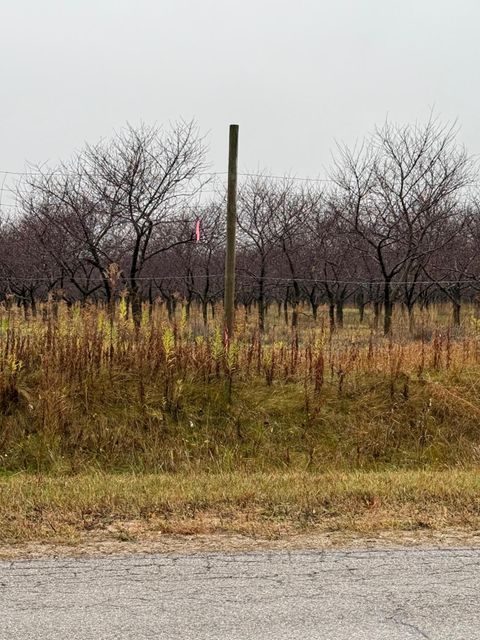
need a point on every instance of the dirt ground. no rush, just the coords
(96, 544)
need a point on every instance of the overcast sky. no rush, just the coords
(295, 75)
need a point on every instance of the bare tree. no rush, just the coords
(202, 262)
(145, 175)
(396, 191)
(114, 199)
(455, 267)
(260, 200)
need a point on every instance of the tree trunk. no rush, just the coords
(136, 306)
(33, 304)
(294, 315)
(25, 307)
(361, 312)
(456, 305)
(360, 299)
(295, 302)
(340, 313)
(388, 310)
(331, 315)
(261, 307)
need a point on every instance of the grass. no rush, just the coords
(111, 430)
(80, 390)
(126, 506)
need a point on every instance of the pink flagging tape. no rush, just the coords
(197, 231)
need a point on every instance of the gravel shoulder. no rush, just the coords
(156, 543)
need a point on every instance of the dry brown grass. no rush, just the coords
(78, 389)
(113, 434)
(131, 507)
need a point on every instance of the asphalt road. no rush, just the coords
(273, 595)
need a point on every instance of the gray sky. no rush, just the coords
(295, 75)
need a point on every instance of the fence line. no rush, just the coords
(240, 275)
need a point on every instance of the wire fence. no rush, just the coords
(245, 276)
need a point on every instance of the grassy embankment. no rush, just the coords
(101, 424)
